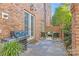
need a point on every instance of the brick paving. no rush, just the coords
(48, 47)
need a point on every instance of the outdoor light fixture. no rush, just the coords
(32, 8)
(4, 15)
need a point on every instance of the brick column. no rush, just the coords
(75, 29)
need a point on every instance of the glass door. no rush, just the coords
(29, 24)
(26, 21)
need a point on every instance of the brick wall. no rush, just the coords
(48, 14)
(15, 21)
(16, 18)
(75, 29)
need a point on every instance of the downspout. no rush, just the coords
(44, 17)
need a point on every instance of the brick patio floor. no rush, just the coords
(48, 47)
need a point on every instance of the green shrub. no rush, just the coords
(67, 39)
(11, 49)
(1, 45)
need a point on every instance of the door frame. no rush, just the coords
(29, 25)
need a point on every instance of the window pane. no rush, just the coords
(32, 25)
(26, 22)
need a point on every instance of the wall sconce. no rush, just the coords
(4, 15)
(32, 8)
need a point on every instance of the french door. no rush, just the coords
(29, 24)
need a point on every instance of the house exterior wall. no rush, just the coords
(45, 13)
(39, 11)
(75, 29)
(15, 21)
(48, 14)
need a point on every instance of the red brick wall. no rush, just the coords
(75, 29)
(48, 14)
(16, 18)
(55, 29)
